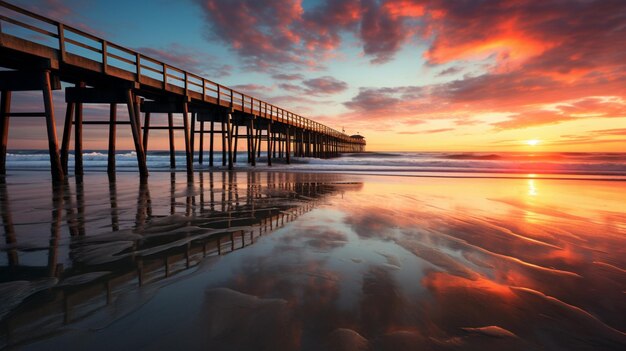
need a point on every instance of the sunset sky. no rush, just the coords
(465, 75)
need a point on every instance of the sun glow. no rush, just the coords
(532, 142)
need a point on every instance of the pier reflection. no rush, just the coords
(107, 240)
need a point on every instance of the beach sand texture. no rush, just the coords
(304, 261)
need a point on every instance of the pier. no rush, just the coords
(40, 53)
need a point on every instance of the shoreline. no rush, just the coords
(460, 174)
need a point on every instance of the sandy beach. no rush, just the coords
(284, 261)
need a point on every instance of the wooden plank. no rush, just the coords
(162, 128)
(5, 108)
(27, 114)
(161, 107)
(104, 122)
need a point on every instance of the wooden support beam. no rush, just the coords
(248, 147)
(223, 141)
(269, 144)
(95, 95)
(201, 154)
(112, 138)
(163, 128)
(192, 137)
(188, 153)
(236, 136)
(170, 134)
(162, 107)
(135, 129)
(288, 146)
(67, 131)
(101, 123)
(5, 108)
(211, 144)
(27, 114)
(205, 116)
(27, 81)
(274, 144)
(252, 149)
(53, 146)
(78, 140)
(230, 140)
(146, 131)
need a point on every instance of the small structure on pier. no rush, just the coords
(359, 143)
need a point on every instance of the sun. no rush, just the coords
(532, 142)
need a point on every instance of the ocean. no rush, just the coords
(494, 164)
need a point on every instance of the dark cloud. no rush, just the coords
(450, 71)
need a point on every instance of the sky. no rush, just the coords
(408, 75)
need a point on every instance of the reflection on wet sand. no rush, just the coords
(370, 263)
(101, 246)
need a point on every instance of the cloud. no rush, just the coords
(252, 89)
(530, 55)
(429, 131)
(189, 59)
(280, 33)
(291, 88)
(384, 99)
(325, 85)
(531, 119)
(268, 39)
(450, 71)
(616, 131)
(591, 107)
(383, 30)
(280, 76)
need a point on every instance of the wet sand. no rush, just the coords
(298, 261)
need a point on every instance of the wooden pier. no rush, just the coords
(41, 52)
